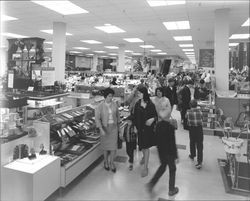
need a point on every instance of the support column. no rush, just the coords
(59, 49)
(221, 42)
(157, 65)
(95, 63)
(121, 58)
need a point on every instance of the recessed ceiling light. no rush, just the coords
(155, 3)
(186, 45)
(136, 53)
(62, 7)
(13, 35)
(7, 18)
(99, 51)
(113, 54)
(90, 54)
(133, 40)
(246, 23)
(162, 53)
(74, 52)
(177, 25)
(112, 47)
(233, 44)
(81, 48)
(48, 48)
(188, 50)
(50, 31)
(182, 38)
(48, 42)
(240, 36)
(155, 50)
(110, 29)
(128, 57)
(128, 51)
(91, 41)
(147, 46)
(103, 56)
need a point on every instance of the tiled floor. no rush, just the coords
(204, 184)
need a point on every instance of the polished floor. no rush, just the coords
(203, 184)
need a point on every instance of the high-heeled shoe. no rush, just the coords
(113, 168)
(106, 167)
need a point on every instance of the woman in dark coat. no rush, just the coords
(145, 116)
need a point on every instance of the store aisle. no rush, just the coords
(204, 184)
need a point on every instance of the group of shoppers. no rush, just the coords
(149, 125)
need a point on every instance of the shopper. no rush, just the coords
(160, 101)
(167, 150)
(145, 116)
(201, 92)
(194, 119)
(185, 98)
(107, 120)
(114, 81)
(170, 92)
(131, 134)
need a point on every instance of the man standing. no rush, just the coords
(170, 92)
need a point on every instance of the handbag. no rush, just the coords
(173, 122)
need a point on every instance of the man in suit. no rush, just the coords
(170, 92)
(185, 94)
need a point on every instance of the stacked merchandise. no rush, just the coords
(72, 133)
(208, 116)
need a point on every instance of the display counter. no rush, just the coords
(232, 106)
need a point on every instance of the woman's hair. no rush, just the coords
(108, 91)
(202, 81)
(159, 89)
(144, 91)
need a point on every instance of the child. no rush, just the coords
(194, 119)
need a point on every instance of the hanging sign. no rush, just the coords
(206, 58)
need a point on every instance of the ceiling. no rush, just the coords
(136, 17)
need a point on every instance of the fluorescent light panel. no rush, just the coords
(91, 41)
(233, 44)
(188, 50)
(74, 52)
(112, 47)
(186, 45)
(81, 48)
(162, 53)
(133, 40)
(48, 42)
(99, 51)
(113, 54)
(147, 46)
(108, 28)
(246, 23)
(62, 7)
(135, 53)
(13, 35)
(50, 31)
(178, 25)
(156, 3)
(90, 54)
(155, 50)
(128, 51)
(183, 38)
(240, 36)
(7, 18)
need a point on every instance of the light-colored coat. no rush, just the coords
(102, 114)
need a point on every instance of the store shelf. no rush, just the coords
(43, 97)
(43, 106)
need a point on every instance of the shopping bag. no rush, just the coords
(173, 122)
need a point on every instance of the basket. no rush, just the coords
(232, 145)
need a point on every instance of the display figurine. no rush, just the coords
(32, 154)
(42, 152)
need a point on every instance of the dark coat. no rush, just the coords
(171, 95)
(185, 97)
(165, 140)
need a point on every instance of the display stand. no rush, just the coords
(24, 180)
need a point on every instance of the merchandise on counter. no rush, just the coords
(20, 151)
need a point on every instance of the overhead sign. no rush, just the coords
(206, 58)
